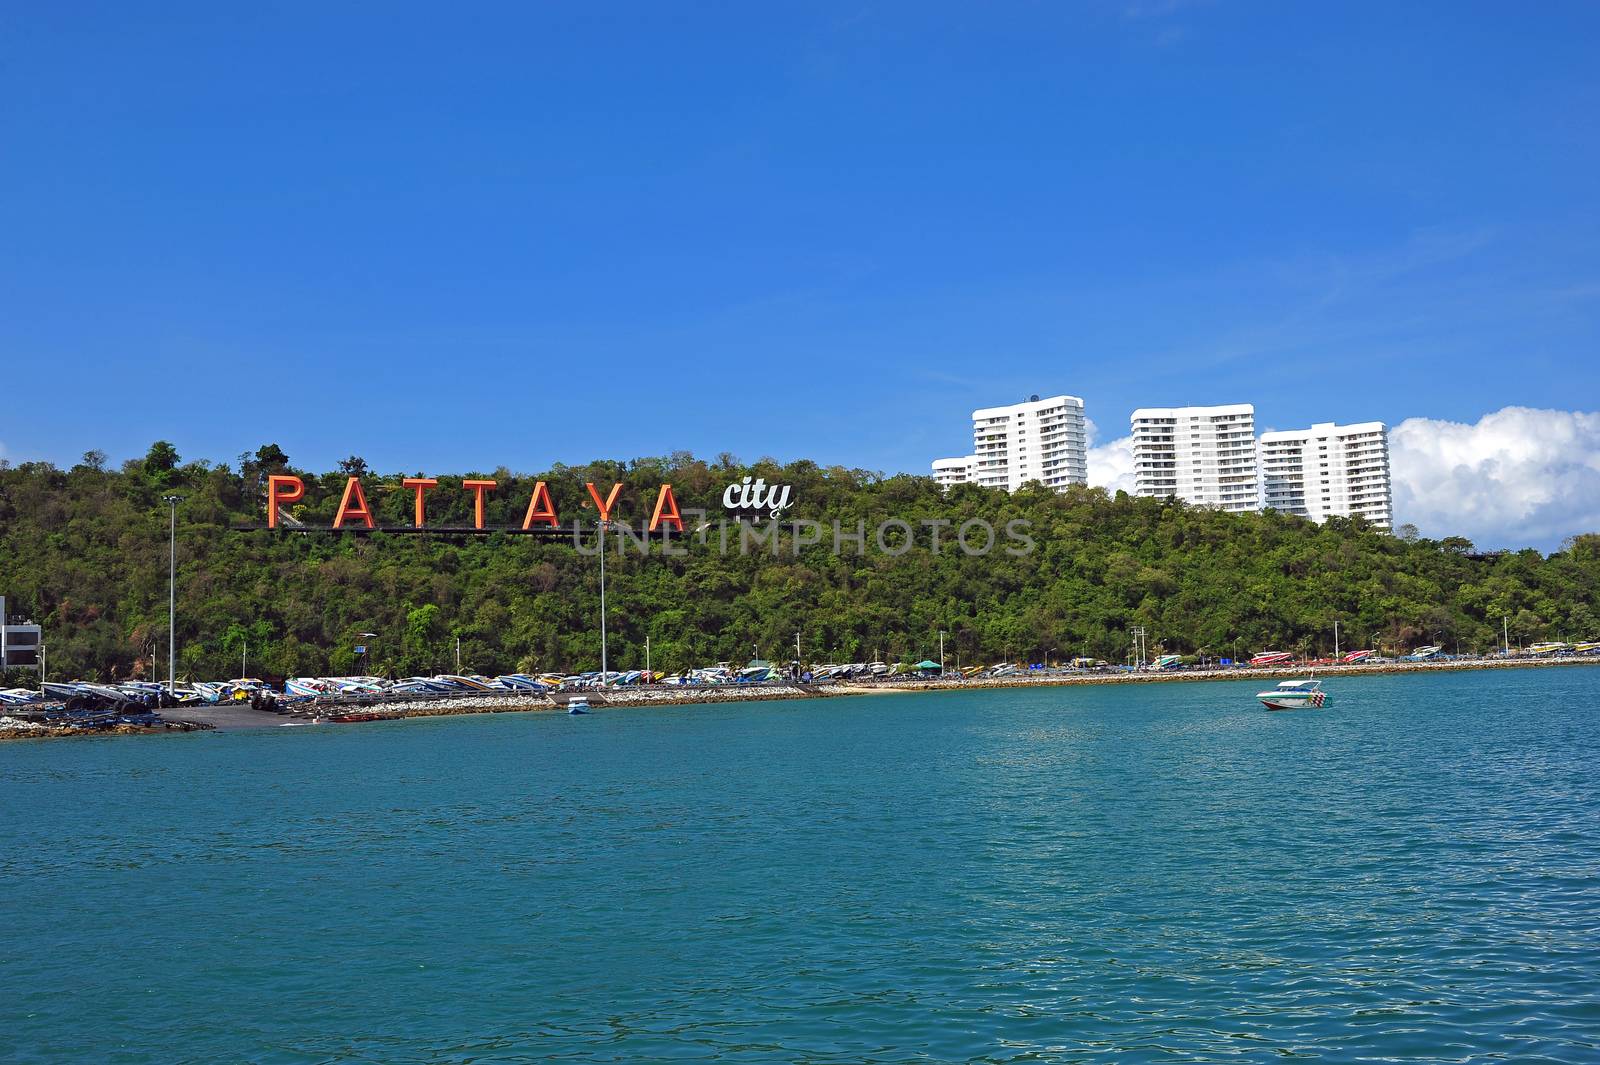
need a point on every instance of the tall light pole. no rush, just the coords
(1336, 641)
(941, 652)
(1505, 632)
(648, 676)
(172, 592)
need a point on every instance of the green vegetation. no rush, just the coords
(85, 552)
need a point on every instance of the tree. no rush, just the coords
(271, 458)
(86, 554)
(162, 458)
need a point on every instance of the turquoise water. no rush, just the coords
(1162, 873)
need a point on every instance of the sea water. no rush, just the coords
(1144, 873)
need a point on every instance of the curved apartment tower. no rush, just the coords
(1202, 455)
(1042, 440)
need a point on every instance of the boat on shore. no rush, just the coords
(1295, 695)
(1272, 658)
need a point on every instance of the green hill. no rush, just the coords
(85, 552)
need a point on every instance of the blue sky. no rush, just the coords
(454, 237)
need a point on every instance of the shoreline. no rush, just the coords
(230, 717)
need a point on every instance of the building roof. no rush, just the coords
(1027, 404)
(1191, 412)
(1322, 429)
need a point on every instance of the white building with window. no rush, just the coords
(1328, 470)
(1042, 440)
(1202, 455)
(953, 471)
(20, 641)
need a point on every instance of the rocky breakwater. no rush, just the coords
(379, 709)
(16, 728)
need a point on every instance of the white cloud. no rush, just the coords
(1110, 465)
(1516, 478)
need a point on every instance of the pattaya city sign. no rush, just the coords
(746, 496)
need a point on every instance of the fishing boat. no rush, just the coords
(578, 705)
(1355, 657)
(1424, 654)
(1295, 695)
(1549, 647)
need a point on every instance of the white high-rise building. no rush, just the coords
(1042, 440)
(1202, 455)
(1328, 470)
(953, 471)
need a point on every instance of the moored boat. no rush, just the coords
(1295, 695)
(578, 705)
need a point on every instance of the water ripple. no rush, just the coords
(1156, 875)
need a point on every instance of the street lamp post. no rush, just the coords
(172, 591)
(941, 652)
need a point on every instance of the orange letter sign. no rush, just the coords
(540, 508)
(611, 500)
(664, 515)
(477, 488)
(420, 485)
(352, 490)
(281, 489)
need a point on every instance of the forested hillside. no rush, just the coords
(84, 551)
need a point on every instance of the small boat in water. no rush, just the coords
(578, 705)
(1295, 695)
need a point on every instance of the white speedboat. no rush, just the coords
(578, 704)
(1295, 695)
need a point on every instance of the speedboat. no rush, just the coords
(578, 705)
(1295, 695)
(1272, 658)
